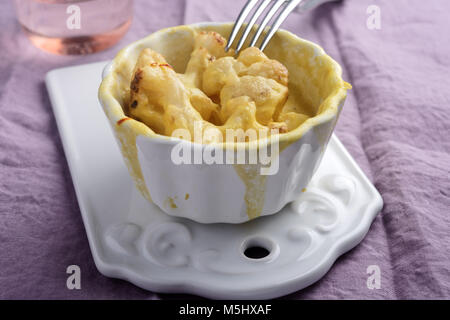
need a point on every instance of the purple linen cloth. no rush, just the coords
(396, 124)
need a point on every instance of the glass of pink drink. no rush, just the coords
(74, 26)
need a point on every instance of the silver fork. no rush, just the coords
(289, 5)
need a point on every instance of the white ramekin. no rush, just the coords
(223, 193)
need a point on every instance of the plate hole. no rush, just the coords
(256, 252)
(259, 248)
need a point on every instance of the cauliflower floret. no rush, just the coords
(148, 57)
(219, 73)
(241, 113)
(258, 64)
(269, 96)
(200, 60)
(213, 42)
(251, 55)
(208, 47)
(270, 69)
(154, 87)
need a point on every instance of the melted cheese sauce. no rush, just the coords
(216, 90)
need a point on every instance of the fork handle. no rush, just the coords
(307, 5)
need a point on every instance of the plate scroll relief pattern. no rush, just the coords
(314, 214)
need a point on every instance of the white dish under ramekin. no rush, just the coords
(221, 193)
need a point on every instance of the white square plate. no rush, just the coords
(134, 240)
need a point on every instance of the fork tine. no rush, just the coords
(266, 20)
(250, 24)
(237, 26)
(282, 16)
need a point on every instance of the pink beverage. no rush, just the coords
(74, 26)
